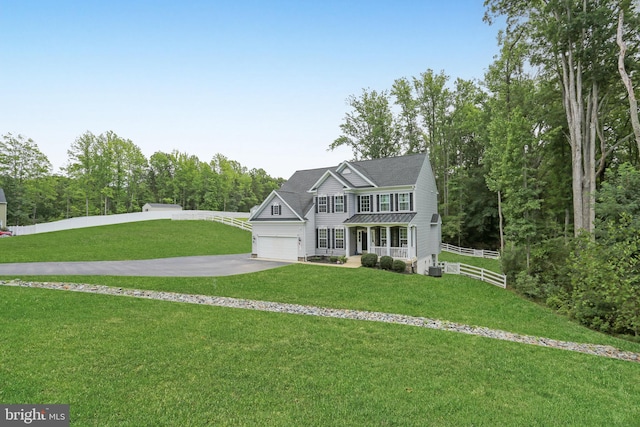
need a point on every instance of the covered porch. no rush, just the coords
(383, 234)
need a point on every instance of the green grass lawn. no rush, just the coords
(486, 263)
(123, 361)
(139, 240)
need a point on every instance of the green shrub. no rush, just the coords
(528, 285)
(369, 260)
(399, 266)
(386, 262)
(333, 259)
(342, 259)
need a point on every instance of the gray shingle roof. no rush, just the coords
(386, 172)
(381, 218)
(2, 198)
(391, 171)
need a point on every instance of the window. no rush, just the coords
(365, 204)
(338, 203)
(322, 203)
(322, 238)
(385, 203)
(404, 202)
(403, 238)
(276, 210)
(339, 238)
(383, 237)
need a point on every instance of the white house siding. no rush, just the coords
(354, 178)
(426, 205)
(330, 187)
(310, 233)
(285, 212)
(292, 233)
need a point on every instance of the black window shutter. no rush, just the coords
(392, 205)
(397, 203)
(315, 201)
(333, 207)
(330, 237)
(344, 199)
(357, 203)
(411, 202)
(378, 202)
(371, 203)
(317, 239)
(271, 209)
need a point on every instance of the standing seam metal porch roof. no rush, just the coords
(381, 218)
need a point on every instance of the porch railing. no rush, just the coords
(394, 252)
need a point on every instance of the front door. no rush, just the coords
(362, 241)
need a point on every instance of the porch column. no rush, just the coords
(347, 243)
(409, 243)
(369, 239)
(388, 241)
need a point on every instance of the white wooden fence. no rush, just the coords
(480, 253)
(230, 218)
(212, 216)
(488, 276)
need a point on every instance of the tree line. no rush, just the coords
(107, 174)
(540, 158)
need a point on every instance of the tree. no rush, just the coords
(574, 40)
(22, 167)
(369, 129)
(433, 99)
(411, 136)
(626, 79)
(80, 166)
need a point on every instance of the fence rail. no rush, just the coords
(480, 253)
(98, 220)
(488, 276)
(209, 216)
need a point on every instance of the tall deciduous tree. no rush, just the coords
(22, 167)
(433, 99)
(369, 128)
(575, 40)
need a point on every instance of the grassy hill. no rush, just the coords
(125, 361)
(130, 241)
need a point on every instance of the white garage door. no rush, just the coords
(277, 247)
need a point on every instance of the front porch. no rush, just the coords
(398, 242)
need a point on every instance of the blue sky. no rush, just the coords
(262, 82)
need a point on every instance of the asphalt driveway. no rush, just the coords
(192, 266)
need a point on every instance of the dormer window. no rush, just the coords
(276, 209)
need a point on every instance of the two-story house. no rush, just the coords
(387, 206)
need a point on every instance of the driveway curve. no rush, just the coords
(191, 266)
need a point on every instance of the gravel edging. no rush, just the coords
(593, 349)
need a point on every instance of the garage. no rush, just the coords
(278, 247)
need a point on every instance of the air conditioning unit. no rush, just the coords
(435, 271)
